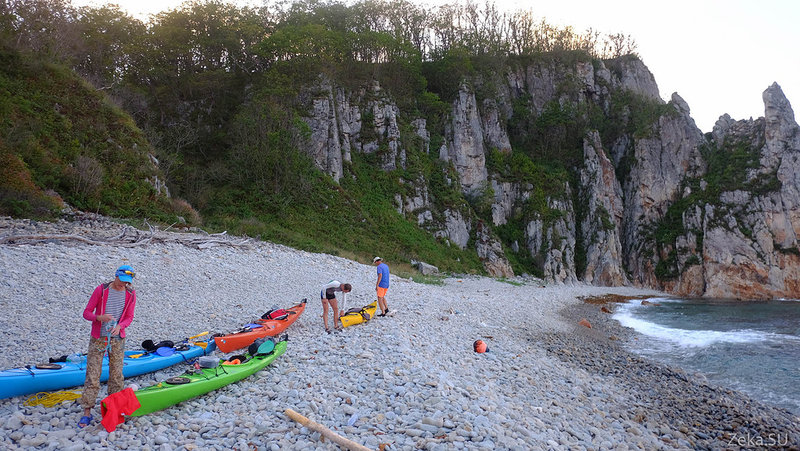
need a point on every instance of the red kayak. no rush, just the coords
(263, 327)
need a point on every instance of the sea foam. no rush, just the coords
(626, 316)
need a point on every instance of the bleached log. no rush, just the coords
(327, 433)
(155, 236)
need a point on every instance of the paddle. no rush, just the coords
(266, 347)
(202, 344)
(261, 346)
(249, 327)
(165, 351)
(152, 348)
(201, 334)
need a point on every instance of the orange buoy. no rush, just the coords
(480, 347)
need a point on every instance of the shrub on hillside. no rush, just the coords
(185, 210)
(19, 196)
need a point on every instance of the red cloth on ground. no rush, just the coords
(115, 405)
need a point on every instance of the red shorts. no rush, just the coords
(382, 292)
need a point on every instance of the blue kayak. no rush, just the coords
(56, 376)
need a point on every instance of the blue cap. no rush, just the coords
(125, 273)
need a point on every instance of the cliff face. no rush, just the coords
(749, 236)
(601, 192)
(652, 201)
(662, 160)
(465, 147)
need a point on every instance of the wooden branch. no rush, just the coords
(119, 237)
(155, 236)
(13, 238)
(332, 436)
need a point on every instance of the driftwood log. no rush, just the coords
(134, 239)
(327, 433)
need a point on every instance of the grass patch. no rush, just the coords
(355, 220)
(428, 280)
(510, 282)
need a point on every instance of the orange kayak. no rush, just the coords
(260, 328)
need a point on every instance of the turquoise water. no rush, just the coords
(753, 347)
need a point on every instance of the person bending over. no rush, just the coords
(328, 297)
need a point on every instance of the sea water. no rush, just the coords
(753, 347)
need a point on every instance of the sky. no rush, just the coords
(719, 55)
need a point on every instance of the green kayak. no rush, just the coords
(197, 382)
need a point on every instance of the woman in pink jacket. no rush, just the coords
(110, 309)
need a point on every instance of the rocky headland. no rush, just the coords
(656, 204)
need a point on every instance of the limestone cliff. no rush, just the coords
(601, 192)
(750, 234)
(662, 158)
(329, 130)
(465, 144)
(650, 201)
(553, 242)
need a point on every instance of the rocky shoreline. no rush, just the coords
(683, 409)
(407, 381)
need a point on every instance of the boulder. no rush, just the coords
(424, 268)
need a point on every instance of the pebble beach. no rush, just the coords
(406, 381)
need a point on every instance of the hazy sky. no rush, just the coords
(719, 55)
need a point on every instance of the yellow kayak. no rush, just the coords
(358, 316)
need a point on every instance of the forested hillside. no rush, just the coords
(468, 137)
(218, 93)
(61, 140)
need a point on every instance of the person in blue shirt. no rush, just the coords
(382, 285)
